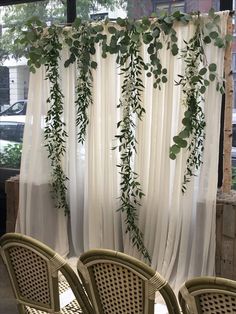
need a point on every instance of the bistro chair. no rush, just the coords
(210, 295)
(120, 284)
(42, 280)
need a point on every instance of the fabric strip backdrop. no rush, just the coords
(179, 229)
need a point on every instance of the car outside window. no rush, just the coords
(8, 131)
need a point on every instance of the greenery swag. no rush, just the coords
(42, 45)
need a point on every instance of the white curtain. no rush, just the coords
(179, 229)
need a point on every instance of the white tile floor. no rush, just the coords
(160, 309)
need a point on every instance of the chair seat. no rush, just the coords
(68, 302)
(160, 309)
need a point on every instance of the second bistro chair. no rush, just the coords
(120, 284)
(41, 279)
(213, 295)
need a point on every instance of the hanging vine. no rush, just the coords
(81, 45)
(131, 109)
(194, 84)
(45, 47)
(126, 38)
(55, 133)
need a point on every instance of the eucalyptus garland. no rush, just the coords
(45, 47)
(131, 110)
(81, 45)
(126, 38)
(198, 75)
(55, 133)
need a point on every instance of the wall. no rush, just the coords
(139, 8)
(18, 79)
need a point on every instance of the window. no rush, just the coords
(11, 131)
(170, 7)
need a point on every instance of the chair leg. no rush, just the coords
(21, 309)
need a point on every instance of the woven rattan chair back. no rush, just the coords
(33, 270)
(120, 284)
(208, 295)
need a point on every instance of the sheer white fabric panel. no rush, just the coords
(179, 230)
(38, 216)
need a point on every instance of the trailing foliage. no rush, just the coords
(198, 75)
(81, 42)
(45, 48)
(125, 39)
(131, 109)
(10, 157)
(55, 133)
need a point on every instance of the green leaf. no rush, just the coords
(186, 121)
(222, 90)
(93, 65)
(147, 38)
(213, 35)
(156, 33)
(164, 79)
(172, 156)
(164, 71)
(203, 71)
(31, 36)
(67, 63)
(135, 37)
(188, 114)
(146, 21)
(168, 20)
(212, 67)
(195, 79)
(98, 28)
(150, 49)
(175, 149)
(219, 42)
(77, 22)
(184, 133)
(173, 38)
(207, 40)
(180, 142)
(202, 89)
(229, 38)
(174, 49)
(206, 82)
(212, 77)
(120, 21)
(183, 143)
(211, 13)
(159, 45)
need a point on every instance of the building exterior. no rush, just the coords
(138, 8)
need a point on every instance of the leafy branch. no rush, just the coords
(194, 83)
(130, 104)
(82, 46)
(55, 133)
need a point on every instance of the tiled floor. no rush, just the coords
(7, 301)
